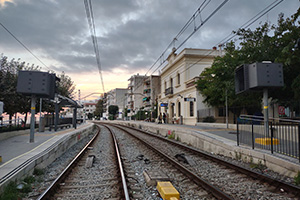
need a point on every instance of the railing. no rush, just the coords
(169, 91)
(280, 136)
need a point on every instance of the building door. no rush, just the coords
(179, 110)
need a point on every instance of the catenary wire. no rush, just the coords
(25, 46)
(91, 23)
(245, 25)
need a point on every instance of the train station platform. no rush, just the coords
(20, 157)
(215, 138)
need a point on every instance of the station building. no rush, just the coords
(179, 98)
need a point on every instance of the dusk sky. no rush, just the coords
(132, 34)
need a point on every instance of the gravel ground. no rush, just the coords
(235, 184)
(101, 180)
(132, 151)
(55, 168)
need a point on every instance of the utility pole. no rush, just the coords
(32, 119)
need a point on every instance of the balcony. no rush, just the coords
(169, 91)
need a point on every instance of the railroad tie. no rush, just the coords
(89, 161)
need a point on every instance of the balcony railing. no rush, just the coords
(169, 91)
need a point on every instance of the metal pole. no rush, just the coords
(271, 138)
(266, 113)
(56, 115)
(237, 132)
(226, 110)
(40, 120)
(32, 119)
(299, 141)
(252, 134)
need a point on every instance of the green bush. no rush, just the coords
(38, 172)
(209, 119)
(10, 192)
(297, 178)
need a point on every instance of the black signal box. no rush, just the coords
(257, 76)
(41, 84)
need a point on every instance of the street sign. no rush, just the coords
(281, 110)
(189, 99)
(164, 105)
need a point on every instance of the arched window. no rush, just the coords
(191, 108)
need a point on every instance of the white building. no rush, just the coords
(179, 97)
(118, 97)
(135, 94)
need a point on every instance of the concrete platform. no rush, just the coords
(216, 139)
(19, 157)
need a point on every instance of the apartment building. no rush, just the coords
(151, 91)
(179, 98)
(135, 94)
(118, 97)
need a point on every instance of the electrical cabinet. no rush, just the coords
(41, 84)
(257, 76)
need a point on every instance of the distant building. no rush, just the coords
(179, 98)
(118, 98)
(135, 94)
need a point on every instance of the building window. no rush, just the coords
(165, 85)
(179, 111)
(171, 82)
(191, 108)
(178, 78)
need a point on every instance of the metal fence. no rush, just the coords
(281, 136)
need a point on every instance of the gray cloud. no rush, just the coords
(131, 33)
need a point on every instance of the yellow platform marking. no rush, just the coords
(266, 141)
(27, 152)
(167, 191)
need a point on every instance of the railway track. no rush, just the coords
(140, 159)
(95, 173)
(234, 181)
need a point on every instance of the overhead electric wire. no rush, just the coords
(251, 21)
(245, 25)
(91, 22)
(24, 46)
(187, 24)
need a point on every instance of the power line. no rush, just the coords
(90, 18)
(196, 28)
(247, 24)
(24, 46)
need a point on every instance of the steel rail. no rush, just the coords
(216, 192)
(124, 183)
(51, 190)
(264, 178)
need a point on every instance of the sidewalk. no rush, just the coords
(19, 157)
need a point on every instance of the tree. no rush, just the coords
(256, 46)
(218, 81)
(65, 86)
(99, 108)
(113, 110)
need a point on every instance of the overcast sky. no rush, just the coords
(132, 34)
